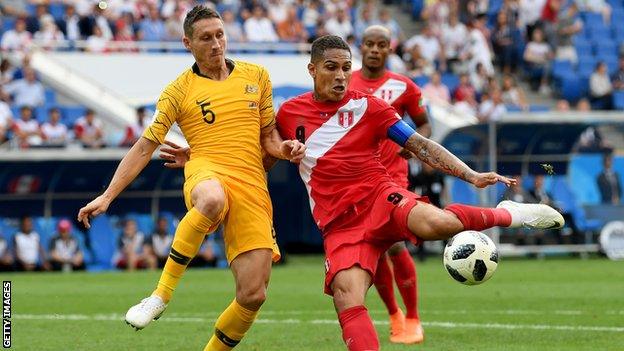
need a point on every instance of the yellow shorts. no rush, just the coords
(247, 216)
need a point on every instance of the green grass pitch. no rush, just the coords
(553, 304)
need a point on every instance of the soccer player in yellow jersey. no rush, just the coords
(224, 109)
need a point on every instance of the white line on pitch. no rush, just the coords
(116, 317)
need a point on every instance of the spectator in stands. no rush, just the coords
(539, 194)
(53, 132)
(6, 258)
(465, 92)
(291, 29)
(479, 78)
(133, 251)
(259, 28)
(48, 36)
(491, 108)
(430, 48)
(549, 20)
(435, 90)
(174, 25)
(125, 34)
(517, 193)
(562, 106)
(417, 65)
(29, 254)
(436, 14)
(27, 91)
(69, 23)
(310, 16)
(339, 24)
(454, 37)
(99, 19)
(152, 28)
(609, 182)
(513, 94)
(26, 129)
(160, 242)
(6, 118)
(567, 27)
(233, 28)
(14, 8)
(278, 10)
(600, 88)
(6, 71)
(529, 13)
(503, 43)
(16, 39)
(583, 105)
(386, 20)
(206, 256)
(596, 6)
(429, 182)
(97, 43)
(88, 130)
(477, 50)
(363, 21)
(537, 56)
(65, 253)
(618, 77)
(33, 22)
(134, 131)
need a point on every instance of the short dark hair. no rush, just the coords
(198, 12)
(327, 42)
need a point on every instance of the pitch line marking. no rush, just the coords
(119, 318)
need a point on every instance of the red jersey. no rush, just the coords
(342, 165)
(402, 94)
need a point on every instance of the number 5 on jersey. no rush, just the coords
(207, 114)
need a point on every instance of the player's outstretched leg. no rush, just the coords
(252, 270)
(405, 277)
(385, 287)
(349, 287)
(210, 205)
(431, 223)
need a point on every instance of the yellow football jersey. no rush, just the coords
(221, 120)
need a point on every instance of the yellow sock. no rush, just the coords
(186, 243)
(230, 328)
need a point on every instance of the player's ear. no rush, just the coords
(312, 70)
(187, 42)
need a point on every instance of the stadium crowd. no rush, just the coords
(66, 249)
(470, 54)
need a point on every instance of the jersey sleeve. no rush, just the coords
(265, 106)
(167, 111)
(414, 102)
(384, 115)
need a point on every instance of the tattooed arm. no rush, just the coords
(440, 158)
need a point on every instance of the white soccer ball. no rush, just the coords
(470, 257)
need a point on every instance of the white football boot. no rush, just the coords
(149, 309)
(533, 216)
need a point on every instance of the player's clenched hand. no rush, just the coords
(175, 155)
(482, 180)
(293, 150)
(98, 206)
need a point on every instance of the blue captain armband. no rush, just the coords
(400, 132)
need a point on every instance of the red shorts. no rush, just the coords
(364, 232)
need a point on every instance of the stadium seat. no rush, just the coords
(103, 242)
(421, 81)
(50, 96)
(571, 88)
(618, 100)
(71, 114)
(57, 10)
(605, 47)
(599, 33)
(8, 23)
(450, 80)
(561, 68)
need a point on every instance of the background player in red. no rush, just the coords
(356, 204)
(404, 95)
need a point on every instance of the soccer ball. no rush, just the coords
(470, 257)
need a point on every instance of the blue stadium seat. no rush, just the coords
(605, 47)
(421, 81)
(599, 33)
(592, 20)
(451, 81)
(71, 114)
(618, 99)
(8, 23)
(57, 10)
(561, 68)
(571, 88)
(582, 45)
(50, 96)
(538, 108)
(103, 242)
